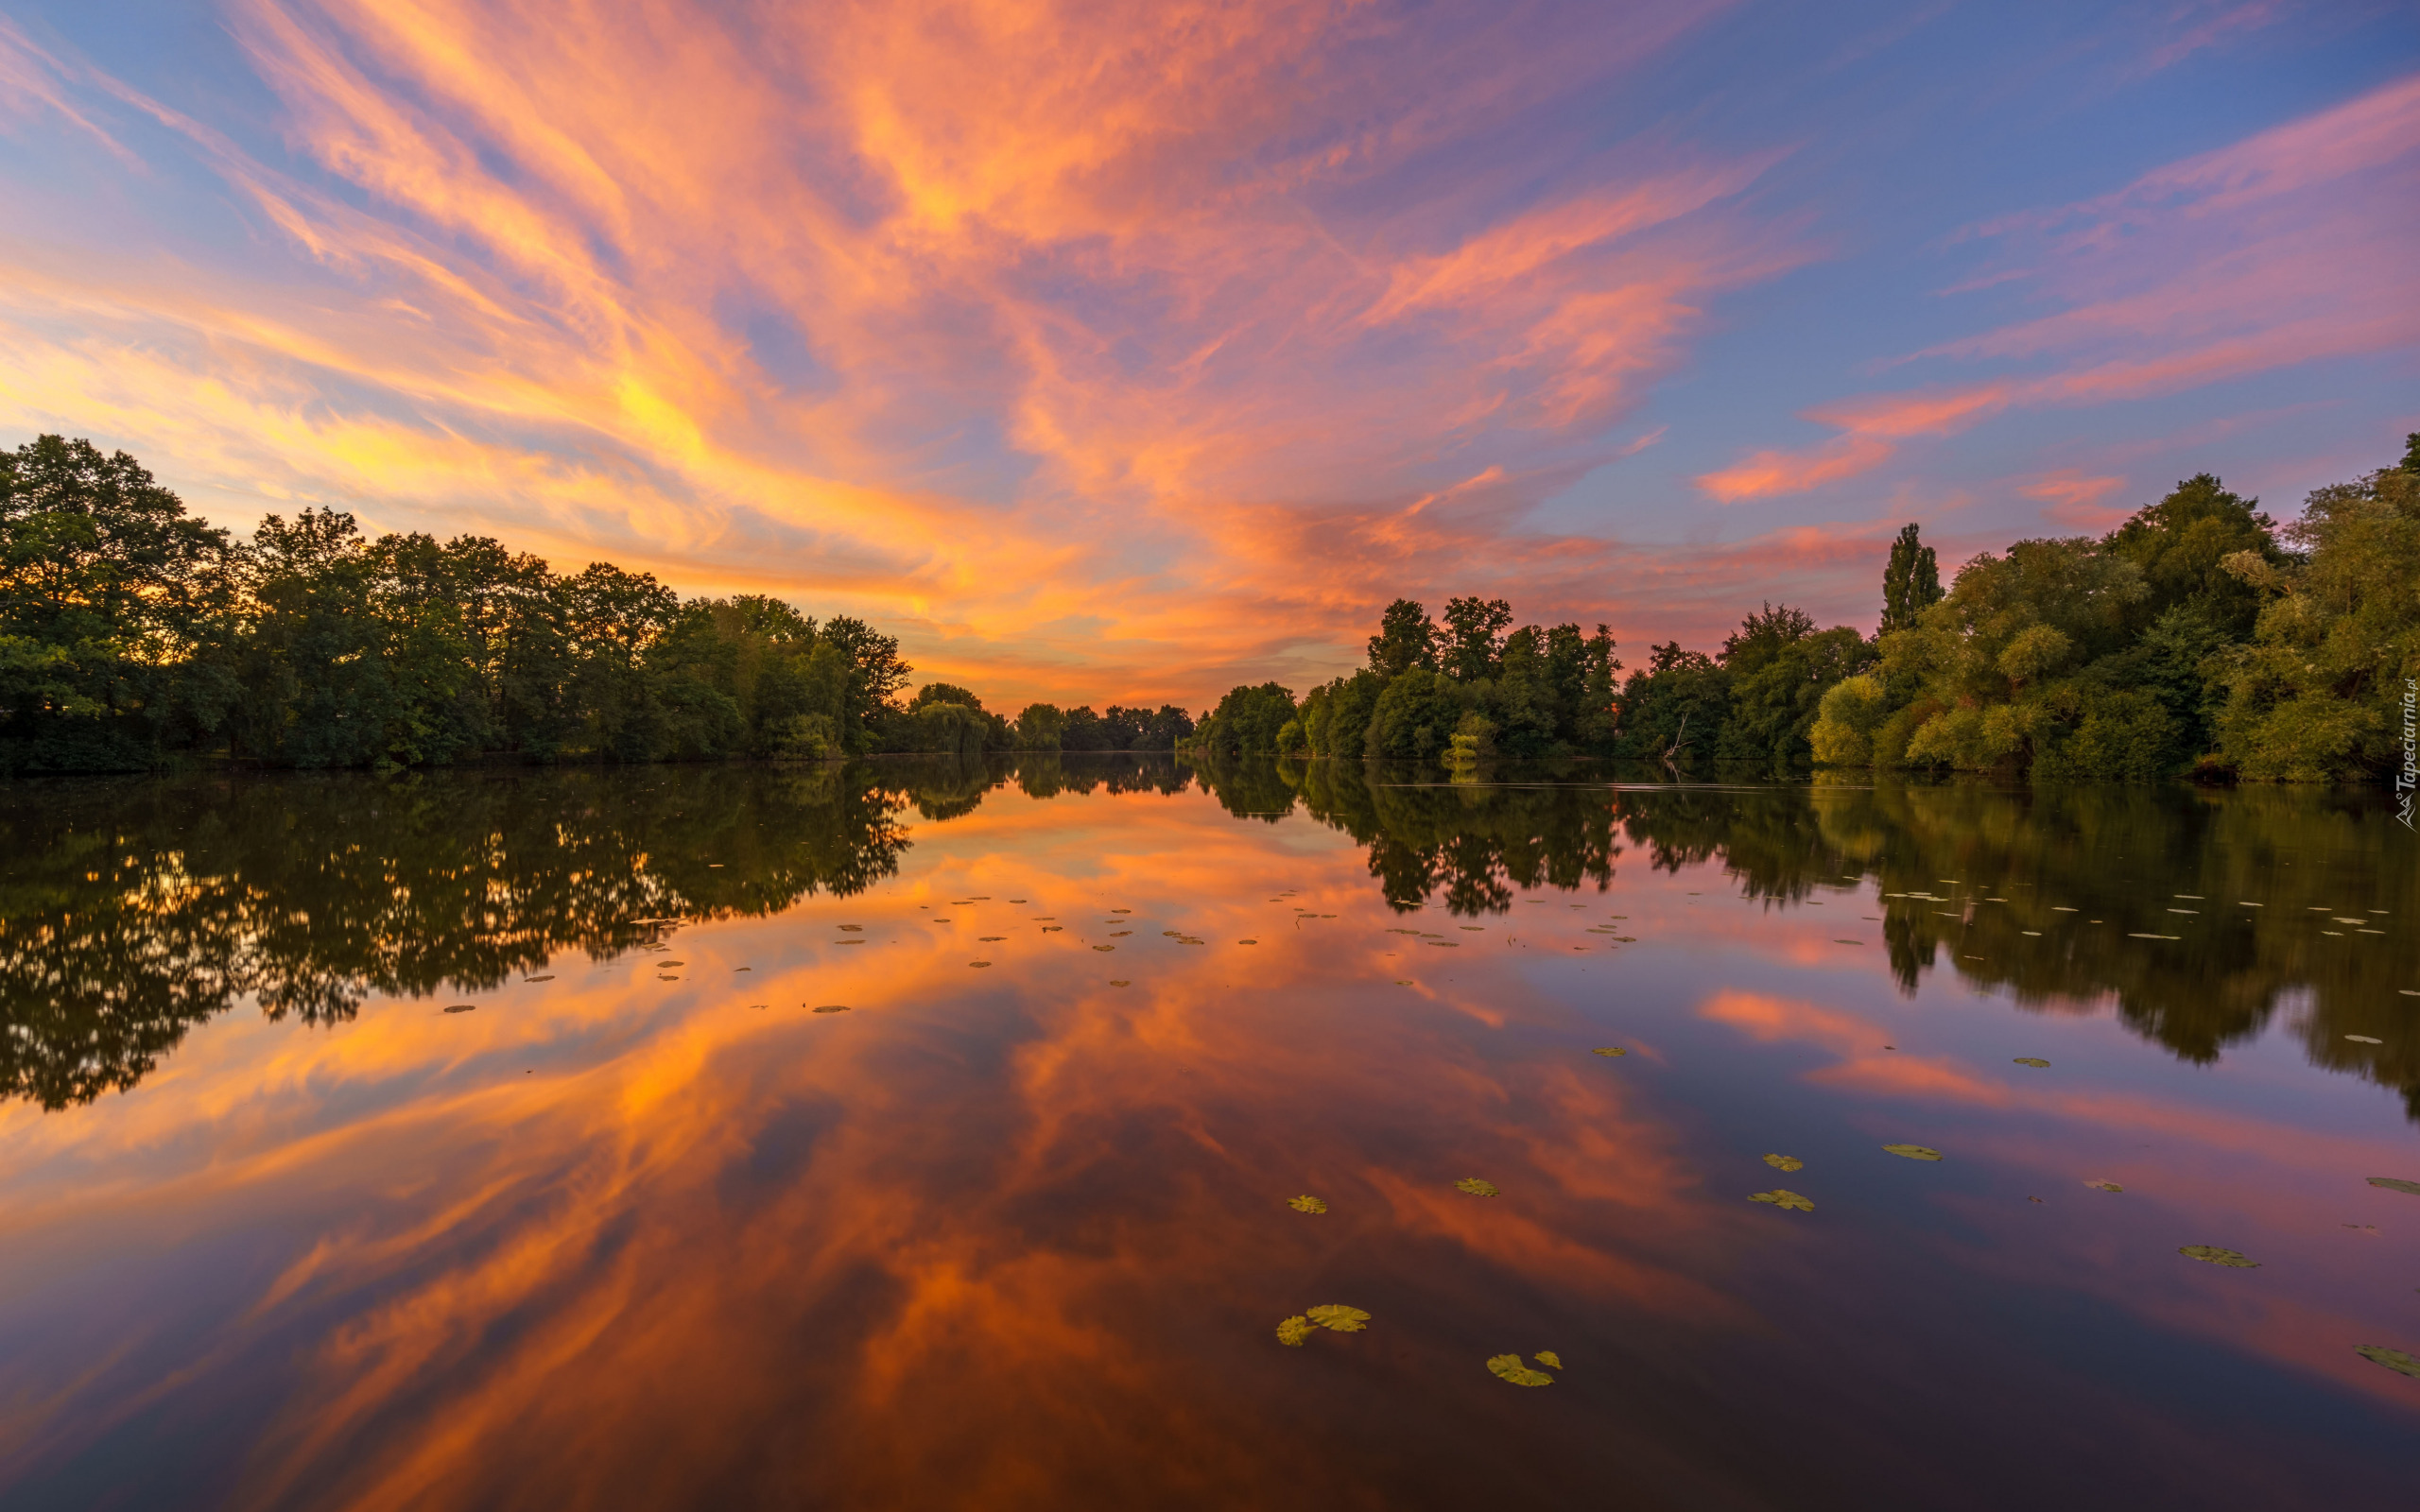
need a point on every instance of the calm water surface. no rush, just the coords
(656, 1225)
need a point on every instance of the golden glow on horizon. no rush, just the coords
(1061, 337)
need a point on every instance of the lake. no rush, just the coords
(927, 1135)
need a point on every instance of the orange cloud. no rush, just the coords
(1005, 326)
(2075, 499)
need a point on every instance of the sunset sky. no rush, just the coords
(1113, 351)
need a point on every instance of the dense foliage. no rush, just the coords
(131, 633)
(2196, 636)
(1527, 691)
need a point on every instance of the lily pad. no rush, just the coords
(2232, 1259)
(463, 1007)
(1306, 1203)
(1104, 947)
(2394, 1360)
(1339, 1318)
(1785, 1162)
(1294, 1331)
(2395, 1184)
(1783, 1197)
(669, 965)
(1115, 983)
(1476, 1188)
(2104, 1186)
(851, 929)
(833, 1008)
(1914, 1152)
(2032, 1060)
(1508, 1368)
(978, 963)
(1609, 1050)
(1549, 1358)
(1247, 942)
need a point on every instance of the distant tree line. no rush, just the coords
(131, 633)
(2197, 636)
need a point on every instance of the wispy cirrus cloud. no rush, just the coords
(981, 321)
(2290, 246)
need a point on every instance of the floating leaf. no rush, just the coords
(852, 929)
(985, 940)
(833, 1008)
(1120, 983)
(2218, 1257)
(2394, 1360)
(1400, 982)
(1339, 1318)
(1121, 910)
(463, 1007)
(2395, 1184)
(1848, 942)
(1785, 1162)
(539, 978)
(2104, 1186)
(1247, 942)
(1104, 947)
(669, 965)
(1783, 1197)
(1306, 1203)
(1609, 1050)
(1508, 1368)
(978, 963)
(2032, 1060)
(1476, 1188)
(1914, 1152)
(2363, 1040)
(1294, 1331)
(1549, 1358)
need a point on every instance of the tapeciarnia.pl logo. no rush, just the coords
(2408, 779)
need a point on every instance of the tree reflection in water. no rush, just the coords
(132, 910)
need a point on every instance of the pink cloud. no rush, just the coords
(1872, 424)
(2293, 245)
(2075, 500)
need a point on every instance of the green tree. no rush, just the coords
(1040, 727)
(1472, 645)
(2318, 695)
(1673, 708)
(1910, 581)
(1415, 716)
(1248, 719)
(944, 693)
(1406, 640)
(116, 610)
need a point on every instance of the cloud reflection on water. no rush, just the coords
(1017, 1237)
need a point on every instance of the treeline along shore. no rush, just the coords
(2198, 637)
(133, 635)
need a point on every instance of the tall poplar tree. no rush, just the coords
(1910, 583)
